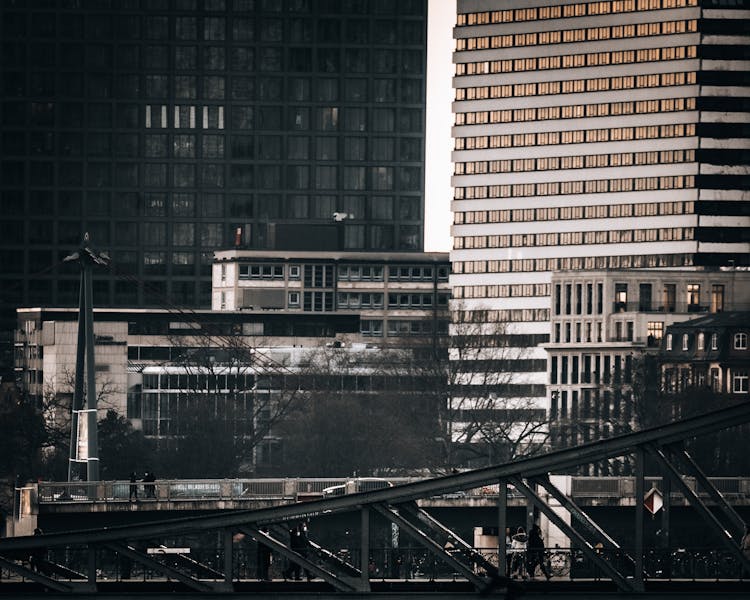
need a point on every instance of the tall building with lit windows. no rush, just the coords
(169, 129)
(594, 135)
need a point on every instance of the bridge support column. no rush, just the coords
(364, 559)
(228, 557)
(639, 496)
(91, 572)
(502, 524)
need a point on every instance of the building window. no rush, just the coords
(293, 271)
(669, 297)
(693, 296)
(644, 297)
(701, 341)
(293, 299)
(714, 341)
(655, 332)
(717, 298)
(685, 341)
(740, 341)
(621, 296)
(740, 382)
(715, 382)
(669, 341)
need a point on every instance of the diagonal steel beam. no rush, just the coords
(52, 584)
(154, 564)
(678, 451)
(392, 515)
(695, 501)
(578, 514)
(341, 583)
(617, 577)
(436, 526)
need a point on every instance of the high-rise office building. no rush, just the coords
(594, 135)
(171, 128)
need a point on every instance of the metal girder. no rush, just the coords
(579, 515)
(341, 583)
(676, 451)
(695, 501)
(528, 467)
(37, 577)
(420, 536)
(586, 547)
(436, 526)
(154, 564)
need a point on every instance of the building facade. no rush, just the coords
(397, 296)
(710, 352)
(604, 325)
(170, 128)
(594, 135)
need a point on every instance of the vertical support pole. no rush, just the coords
(92, 564)
(92, 465)
(228, 557)
(639, 510)
(502, 524)
(666, 486)
(77, 405)
(364, 559)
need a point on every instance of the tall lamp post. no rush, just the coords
(84, 442)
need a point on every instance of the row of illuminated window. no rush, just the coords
(580, 161)
(500, 291)
(575, 111)
(575, 136)
(583, 34)
(586, 186)
(575, 86)
(739, 341)
(574, 263)
(573, 61)
(501, 315)
(575, 238)
(678, 380)
(300, 118)
(398, 328)
(580, 9)
(555, 213)
(586, 331)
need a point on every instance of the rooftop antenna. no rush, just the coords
(84, 442)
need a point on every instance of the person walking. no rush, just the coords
(133, 487)
(535, 554)
(149, 487)
(745, 543)
(518, 549)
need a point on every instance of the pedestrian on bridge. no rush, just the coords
(518, 550)
(535, 554)
(133, 487)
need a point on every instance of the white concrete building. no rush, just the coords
(593, 135)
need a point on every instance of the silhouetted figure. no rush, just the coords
(133, 487)
(535, 554)
(300, 544)
(518, 549)
(149, 487)
(38, 555)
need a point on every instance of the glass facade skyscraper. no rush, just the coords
(171, 128)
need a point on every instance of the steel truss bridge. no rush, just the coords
(622, 566)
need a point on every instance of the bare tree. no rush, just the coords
(357, 416)
(227, 395)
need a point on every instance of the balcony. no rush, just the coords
(679, 307)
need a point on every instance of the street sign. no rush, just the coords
(653, 501)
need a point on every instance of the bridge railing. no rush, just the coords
(405, 563)
(300, 489)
